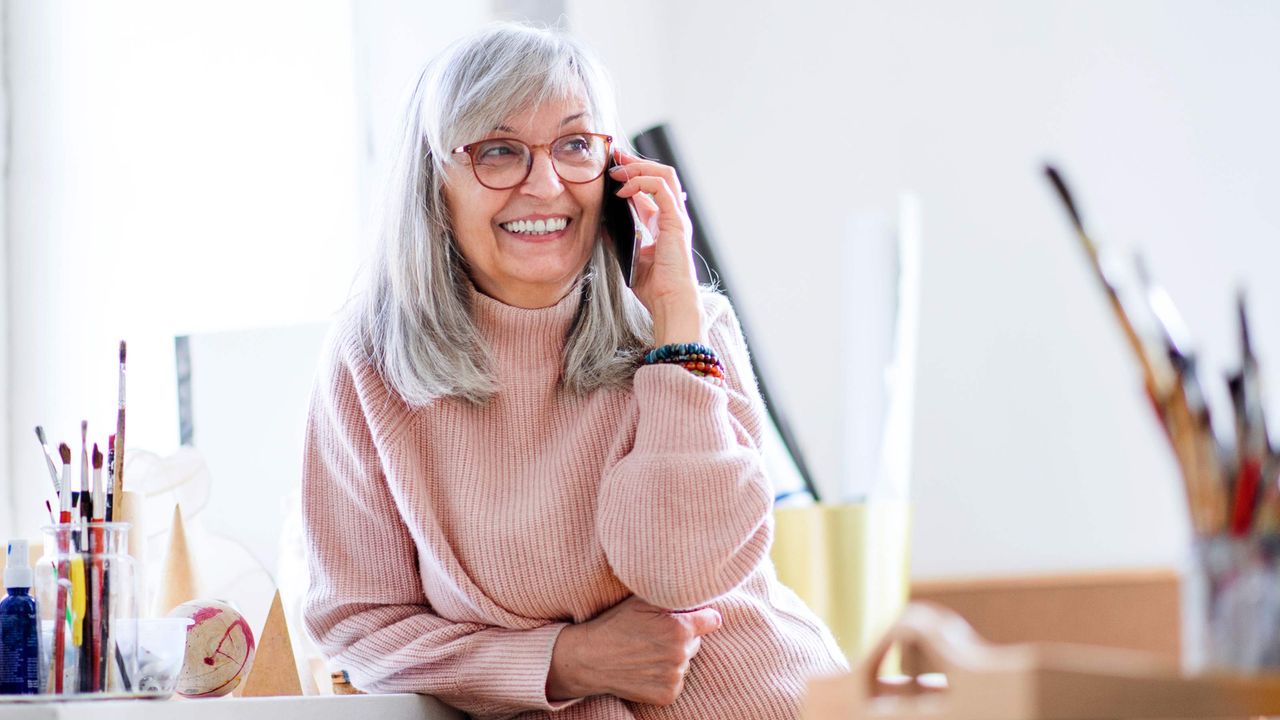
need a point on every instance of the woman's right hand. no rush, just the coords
(634, 650)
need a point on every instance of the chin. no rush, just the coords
(545, 267)
(549, 277)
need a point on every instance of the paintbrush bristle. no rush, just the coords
(97, 457)
(1061, 186)
(65, 451)
(121, 352)
(1242, 313)
(40, 434)
(84, 430)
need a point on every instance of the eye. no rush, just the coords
(574, 145)
(497, 151)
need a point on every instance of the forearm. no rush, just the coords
(483, 670)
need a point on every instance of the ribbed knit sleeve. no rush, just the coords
(684, 515)
(366, 607)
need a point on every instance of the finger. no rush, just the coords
(702, 622)
(690, 649)
(634, 167)
(646, 208)
(644, 202)
(668, 205)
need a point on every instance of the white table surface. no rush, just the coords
(329, 707)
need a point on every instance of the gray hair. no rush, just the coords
(415, 320)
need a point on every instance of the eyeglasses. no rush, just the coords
(503, 163)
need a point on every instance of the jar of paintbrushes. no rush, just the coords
(1229, 462)
(87, 591)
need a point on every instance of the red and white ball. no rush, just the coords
(219, 648)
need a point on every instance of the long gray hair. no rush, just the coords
(415, 320)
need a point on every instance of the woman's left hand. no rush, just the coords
(665, 279)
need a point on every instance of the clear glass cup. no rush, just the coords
(162, 646)
(87, 587)
(1231, 605)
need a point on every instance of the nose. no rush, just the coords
(543, 182)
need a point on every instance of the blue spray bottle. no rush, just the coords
(19, 626)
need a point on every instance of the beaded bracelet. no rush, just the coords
(669, 353)
(694, 357)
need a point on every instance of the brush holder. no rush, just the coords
(1231, 605)
(87, 587)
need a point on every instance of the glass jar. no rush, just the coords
(1231, 605)
(87, 587)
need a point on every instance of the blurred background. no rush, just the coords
(176, 169)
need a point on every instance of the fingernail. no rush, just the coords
(618, 170)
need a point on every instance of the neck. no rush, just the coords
(527, 296)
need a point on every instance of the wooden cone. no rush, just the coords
(178, 581)
(274, 671)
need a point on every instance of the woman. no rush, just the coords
(510, 504)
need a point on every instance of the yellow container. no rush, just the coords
(849, 562)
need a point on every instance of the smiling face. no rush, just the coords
(526, 246)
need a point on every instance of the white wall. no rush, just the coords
(1034, 446)
(7, 489)
(393, 40)
(175, 168)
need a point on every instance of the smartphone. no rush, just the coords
(623, 226)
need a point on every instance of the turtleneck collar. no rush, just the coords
(508, 328)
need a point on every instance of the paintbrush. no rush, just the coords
(64, 497)
(1187, 404)
(48, 460)
(97, 605)
(62, 536)
(99, 491)
(117, 483)
(86, 502)
(1252, 444)
(111, 474)
(1156, 374)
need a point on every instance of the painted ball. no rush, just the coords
(219, 649)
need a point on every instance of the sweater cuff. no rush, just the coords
(680, 412)
(513, 670)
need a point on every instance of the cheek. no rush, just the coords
(471, 214)
(590, 199)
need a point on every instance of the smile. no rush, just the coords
(535, 227)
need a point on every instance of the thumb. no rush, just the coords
(704, 621)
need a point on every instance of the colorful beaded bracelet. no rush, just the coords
(667, 353)
(694, 357)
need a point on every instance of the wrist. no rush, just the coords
(678, 322)
(568, 676)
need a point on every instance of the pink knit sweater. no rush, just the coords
(450, 544)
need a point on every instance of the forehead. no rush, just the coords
(547, 118)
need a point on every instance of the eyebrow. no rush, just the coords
(563, 122)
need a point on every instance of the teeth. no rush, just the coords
(536, 227)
